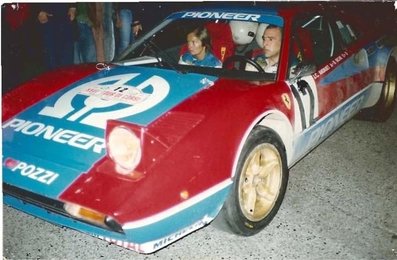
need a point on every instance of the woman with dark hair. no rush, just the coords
(199, 50)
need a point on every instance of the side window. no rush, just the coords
(346, 32)
(323, 42)
(312, 42)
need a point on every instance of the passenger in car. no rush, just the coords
(268, 59)
(199, 50)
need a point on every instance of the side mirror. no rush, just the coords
(306, 70)
(303, 69)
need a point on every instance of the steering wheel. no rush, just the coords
(243, 61)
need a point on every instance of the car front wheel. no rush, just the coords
(260, 183)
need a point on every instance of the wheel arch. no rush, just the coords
(381, 59)
(393, 53)
(276, 121)
(280, 124)
(379, 103)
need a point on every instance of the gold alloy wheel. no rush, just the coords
(260, 182)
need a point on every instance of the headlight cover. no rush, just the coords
(124, 148)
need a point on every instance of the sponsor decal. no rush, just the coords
(31, 171)
(107, 98)
(222, 15)
(207, 82)
(336, 61)
(179, 234)
(126, 95)
(329, 125)
(60, 135)
(312, 136)
(286, 100)
(129, 245)
(152, 246)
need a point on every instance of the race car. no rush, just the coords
(146, 149)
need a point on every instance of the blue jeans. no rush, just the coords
(86, 44)
(108, 30)
(58, 43)
(126, 37)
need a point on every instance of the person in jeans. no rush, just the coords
(56, 30)
(85, 51)
(96, 34)
(127, 28)
(100, 14)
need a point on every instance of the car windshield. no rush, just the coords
(221, 47)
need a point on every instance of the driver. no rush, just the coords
(268, 59)
(199, 50)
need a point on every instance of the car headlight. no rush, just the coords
(124, 149)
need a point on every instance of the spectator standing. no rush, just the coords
(108, 27)
(57, 31)
(20, 57)
(134, 18)
(101, 17)
(85, 50)
(124, 19)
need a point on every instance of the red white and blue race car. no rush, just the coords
(145, 150)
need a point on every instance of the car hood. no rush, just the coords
(51, 143)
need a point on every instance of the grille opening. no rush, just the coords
(54, 206)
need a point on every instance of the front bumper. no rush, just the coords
(144, 236)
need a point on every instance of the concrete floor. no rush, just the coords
(341, 204)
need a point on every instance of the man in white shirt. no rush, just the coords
(268, 60)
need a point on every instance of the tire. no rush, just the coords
(260, 183)
(383, 109)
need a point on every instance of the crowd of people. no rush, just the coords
(42, 36)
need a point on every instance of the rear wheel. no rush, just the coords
(385, 105)
(260, 183)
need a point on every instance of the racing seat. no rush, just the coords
(221, 41)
